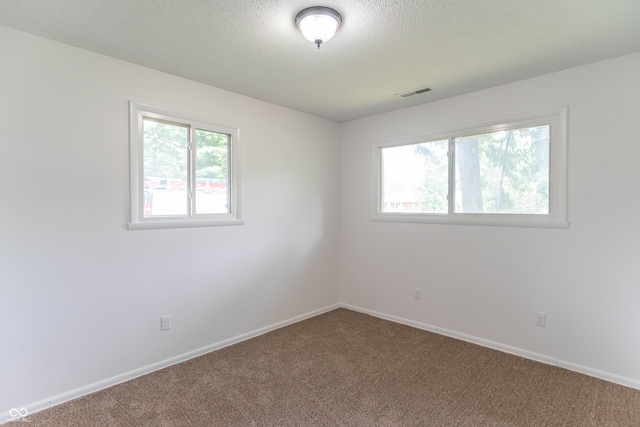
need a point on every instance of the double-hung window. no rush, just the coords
(184, 172)
(509, 172)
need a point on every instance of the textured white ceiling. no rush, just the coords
(383, 47)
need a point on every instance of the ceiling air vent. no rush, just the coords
(415, 92)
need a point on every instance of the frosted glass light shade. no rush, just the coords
(318, 24)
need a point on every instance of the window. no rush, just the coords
(509, 172)
(184, 171)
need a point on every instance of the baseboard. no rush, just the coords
(607, 376)
(34, 407)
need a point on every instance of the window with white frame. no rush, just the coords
(510, 171)
(184, 171)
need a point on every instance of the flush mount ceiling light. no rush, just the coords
(318, 24)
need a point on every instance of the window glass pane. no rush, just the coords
(504, 172)
(414, 178)
(212, 172)
(165, 168)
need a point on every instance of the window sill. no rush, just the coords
(172, 223)
(526, 221)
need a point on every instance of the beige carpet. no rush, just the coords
(346, 368)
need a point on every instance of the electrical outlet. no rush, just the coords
(541, 318)
(417, 294)
(165, 322)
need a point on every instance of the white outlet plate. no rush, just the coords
(541, 318)
(417, 294)
(165, 322)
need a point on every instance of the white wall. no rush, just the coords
(81, 296)
(485, 283)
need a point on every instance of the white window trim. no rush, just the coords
(557, 217)
(137, 111)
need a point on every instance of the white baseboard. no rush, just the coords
(607, 376)
(34, 407)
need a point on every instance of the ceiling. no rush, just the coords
(383, 48)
